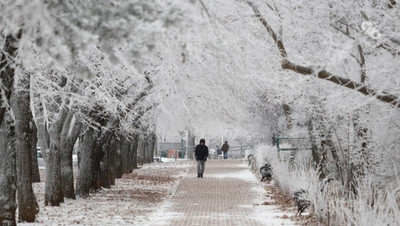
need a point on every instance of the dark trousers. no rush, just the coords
(200, 166)
(225, 155)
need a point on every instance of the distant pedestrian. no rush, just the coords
(225, 149)
(201, 154)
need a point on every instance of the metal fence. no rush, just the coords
(187, 152)
(288, 146)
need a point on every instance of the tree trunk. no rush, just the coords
(67, 172)
(99, 151)
(118, 160)
(134, 147)
(151, 145)
(8, 173)
(140, 151)
(111, 162)
(288, 114)
(86, 163)
(113, 158)
(35, 165)
(9, 52)
(130, 157)
(145, 150)
(362, 140)
(53, 189)
(69, 135)
(335, 155)
(98, 160)
(20, 102)
(106, 165)
(124, 147)
(314, 148)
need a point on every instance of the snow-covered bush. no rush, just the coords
(370, 204)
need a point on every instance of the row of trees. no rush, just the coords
(73, 71)
(326, 118)
(302, 69)
(115, 75)
(347, 108)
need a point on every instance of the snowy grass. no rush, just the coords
(373, 204)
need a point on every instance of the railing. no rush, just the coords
(238, 151)
(187, 151)
(291, 144)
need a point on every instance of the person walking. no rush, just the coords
(201, 154)
(225, 149)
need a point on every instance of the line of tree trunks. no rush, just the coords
(16, 138)
(20, 99)
(102, 144)
(105, 155)
(119, 159)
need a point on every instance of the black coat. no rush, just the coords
(201, 152)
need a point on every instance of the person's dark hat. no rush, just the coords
(202, 141)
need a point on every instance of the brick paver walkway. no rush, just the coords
(228, 194)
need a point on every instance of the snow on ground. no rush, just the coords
(134, 196)
(277, 201)
(242, 175)
(262, 207)
(266, 209)
(145, 194)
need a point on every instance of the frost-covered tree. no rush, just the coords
(351, 87)
(51, 34)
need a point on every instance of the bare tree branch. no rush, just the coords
(345, 82)
(362, 63)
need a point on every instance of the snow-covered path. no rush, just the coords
(132, 198)
(229, 194)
